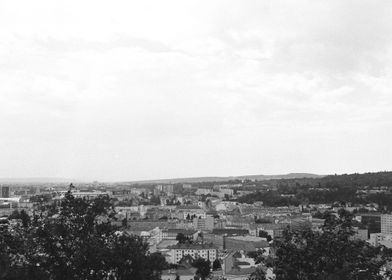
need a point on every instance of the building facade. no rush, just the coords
(386, 224)
(205, 251)
(5, 191)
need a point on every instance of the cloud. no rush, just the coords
(186, 88)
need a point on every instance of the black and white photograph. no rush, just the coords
(196, 140)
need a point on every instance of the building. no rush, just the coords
(217, 236)
(151, 235)
(89, 195)
(168, 189)
(205, 251)
(203, 191)
(156, 213)
(181, 273)
(171, 233)
(360, 233)
(377, 239)
(300, 223)
(121, 195)
(245, 243)
(227, 262)
(206, 224)
(386, 223)
(275, 230)
(129, 211)
(371, 220)
(5, 191)
(191, 211)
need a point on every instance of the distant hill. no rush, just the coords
(35, 180)
(229, 178)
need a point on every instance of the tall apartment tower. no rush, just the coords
(386, 223)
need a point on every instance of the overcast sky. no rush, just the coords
(123, 90)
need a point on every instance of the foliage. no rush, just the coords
(264, 220)
(22, 215)
(76, 240)
(329, 254)
(41, 198)
(327, 189)
(257, 256)
(216, 264)
(181, 238)
(155, 200)
(203, 267)
(269, 198)
(265, 234)
(258, 274)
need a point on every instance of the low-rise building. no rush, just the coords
(245, 243)
(377, 239)
(171, 233)
(191, 211)
(204, 224)
(181, 273)
(205, 251)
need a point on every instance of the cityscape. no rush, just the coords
(196, 140)
(232, 229)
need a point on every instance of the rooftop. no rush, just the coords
(249, 239)
(179, 230)
(193, 246)
(188, 207)
(230, 231)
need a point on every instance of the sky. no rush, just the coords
(132, 90)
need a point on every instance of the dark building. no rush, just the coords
(372, 221)
(5, 191)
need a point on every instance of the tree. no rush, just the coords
(186, 261)
(22, 215)
(155, 200)
(76, 240)
(329, 254)
(181, 238)
(258, 274)
(257, 255)
(265, 234)
(216, 265)
(203, 267)
(124, 222)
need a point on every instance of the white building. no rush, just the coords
(386, 224)
(377, 239)
(205, 251)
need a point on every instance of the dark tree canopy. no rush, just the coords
(216, 264)
(76, 240)
(22, 215)
(181, 238)
(203, 267)
(265, 235)
(258, 274)
(329, 254)
(326, 189)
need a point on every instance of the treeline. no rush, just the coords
(355, 180)
(305, 196)
(331, 253)
(76, 239)
(329, 189)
